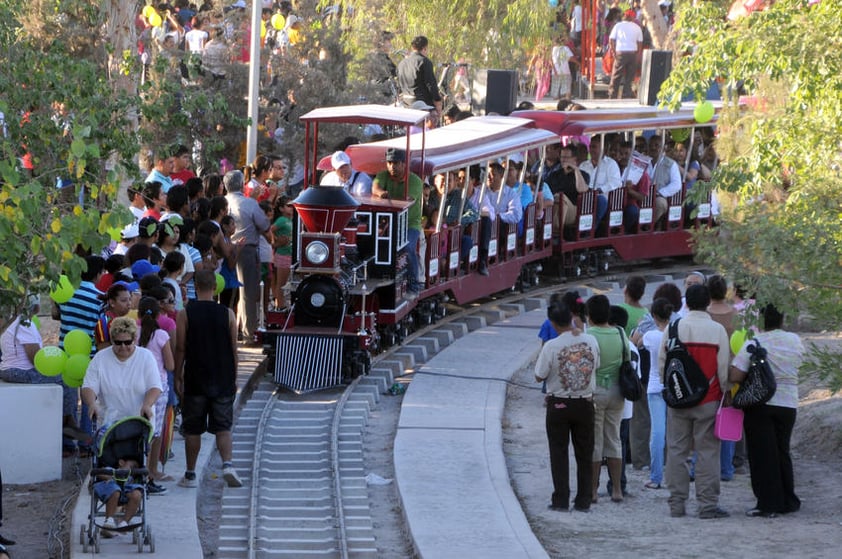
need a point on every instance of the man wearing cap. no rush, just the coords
(251, 223)
(355, 182)
(416, 79)
(626, 42)
(128, 237)
(390, 184)
(431, 121)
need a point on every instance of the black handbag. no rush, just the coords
(759, 385)
(630, 386)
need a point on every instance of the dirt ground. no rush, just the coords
(641, 525)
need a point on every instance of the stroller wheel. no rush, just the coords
(134, 535)
(83, 535)
(151, 539)
(96, 545)
(140, 545)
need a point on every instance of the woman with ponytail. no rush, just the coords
(156, 340)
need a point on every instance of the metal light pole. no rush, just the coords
(254, 81)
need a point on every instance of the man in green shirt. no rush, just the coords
(639, 426)
(390, 184)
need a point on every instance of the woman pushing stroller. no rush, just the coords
(121, 381)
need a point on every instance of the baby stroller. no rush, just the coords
(126, 441)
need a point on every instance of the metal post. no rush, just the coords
(254, 81)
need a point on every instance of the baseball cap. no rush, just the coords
(132, 286)
(395, 155)
(339, 159)
(516, 159)
(421, 106)
(173, 219)
(130, 231)
(144, 267)
(631, 13)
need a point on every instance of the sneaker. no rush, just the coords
(189, 480)
(231, 477)
(110, 524)
(6, 541)
(714, 513)
(153, 488)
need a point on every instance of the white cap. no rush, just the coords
(130, 231)
(339, 159)
(665, 3)
(516, 158)
(239, 4)
(421, 106)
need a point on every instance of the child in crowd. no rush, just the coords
(282, 232)
(265, 242)
(156, 340)
(171, 270)
(129, 496)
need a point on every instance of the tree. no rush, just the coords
(780, 174)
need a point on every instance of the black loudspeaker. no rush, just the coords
(501, 91)
(656, 67)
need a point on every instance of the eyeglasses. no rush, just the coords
(122, 342)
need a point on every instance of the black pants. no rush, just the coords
(625, 67)
(570, 419)
(768, 430)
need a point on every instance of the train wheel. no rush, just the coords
(389, 337)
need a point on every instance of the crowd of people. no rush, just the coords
(584, 343)
(621, 33)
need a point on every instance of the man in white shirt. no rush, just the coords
(355, 182)
(604, 176)
(576, 22)
(626, 42)
(196, 37)
(664, 176)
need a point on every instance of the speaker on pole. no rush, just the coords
(501, 91)
(656, 67)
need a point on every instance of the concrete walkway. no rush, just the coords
(172, 516)
(449, 464)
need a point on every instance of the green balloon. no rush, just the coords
(50, 361)
(77, 342)
(738, 338)
(70, 381)
(703, 112)
(76, 367)
(220, 284)
(36, 321)
(63, 290)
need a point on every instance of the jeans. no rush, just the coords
(412, 236)
(631, 215)
(658, 415)
(601, 207)
(726, 460)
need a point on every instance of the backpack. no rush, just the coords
(630, 386)
(685, 385)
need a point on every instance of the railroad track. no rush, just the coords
(301, 456)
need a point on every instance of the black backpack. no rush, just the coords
(685, 385)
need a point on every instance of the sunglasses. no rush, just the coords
(167, 301)
(122, 342)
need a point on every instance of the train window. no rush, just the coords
(383, 251)
(363, 223)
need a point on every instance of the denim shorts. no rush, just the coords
(105, 488)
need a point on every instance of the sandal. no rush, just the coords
(652, 485)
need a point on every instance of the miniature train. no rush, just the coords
(349, 275)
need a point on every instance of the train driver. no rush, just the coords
(390, 184)
(355, 182)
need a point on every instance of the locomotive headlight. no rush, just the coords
(317, 252)
(317, 300)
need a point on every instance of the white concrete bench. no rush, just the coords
(30, 432)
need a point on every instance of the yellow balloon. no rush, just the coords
(148, 11)
(262, 29)
(155, 20)
(738, 338)
(278, 21)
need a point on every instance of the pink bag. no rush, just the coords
(729, 423)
